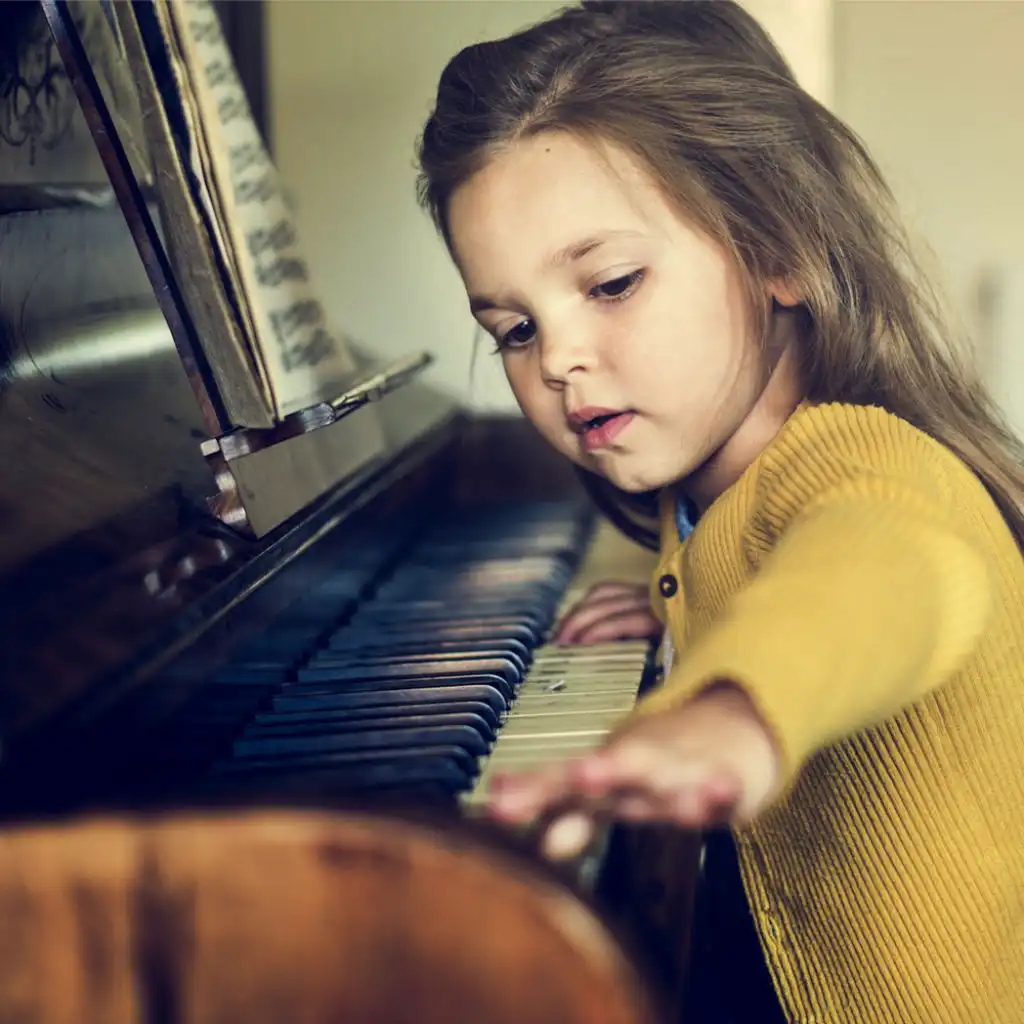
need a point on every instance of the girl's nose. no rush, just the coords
(564, 353)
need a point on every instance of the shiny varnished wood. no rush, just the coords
(300, 918)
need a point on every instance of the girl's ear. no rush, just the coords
(785, 292)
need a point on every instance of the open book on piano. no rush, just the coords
(225, 575)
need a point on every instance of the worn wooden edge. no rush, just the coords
(351, 832)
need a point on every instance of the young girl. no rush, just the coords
(700, 296)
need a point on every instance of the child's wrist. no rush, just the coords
(732, 700)
(730, 695)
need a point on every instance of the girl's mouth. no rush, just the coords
(599, 428)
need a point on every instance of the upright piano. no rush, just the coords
(349, 603)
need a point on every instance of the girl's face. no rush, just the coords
(625, 333)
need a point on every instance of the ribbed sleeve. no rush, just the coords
(859, 583)
(868, 598)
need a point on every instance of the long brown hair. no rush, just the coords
(700, 94)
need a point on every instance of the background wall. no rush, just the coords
(937, 91)
(352, 84)
(934, 86)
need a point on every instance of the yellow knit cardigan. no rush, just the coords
(860, 584)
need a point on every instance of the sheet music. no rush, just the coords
(209, 291)
(303, 360)
(202, 175)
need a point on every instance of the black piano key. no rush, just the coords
(452, 617)
(509, 587)
(487, 653)
(358, 763)
(384, 628)
(452, 690)
(465, 736)
(539, 539)
(370, 618)
(366, 777)
(419, 634)
(475, 567)
(342, 681)
(341, 725)
(485, 712)
(360, 645)
(418, 586)
(329, 666)
(553, 545)
(448, 610)
(314, 610)
(500, 580)
(270, 663)
(479, 576)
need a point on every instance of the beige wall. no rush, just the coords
(937, 91)
(351, 85)
(934, 86)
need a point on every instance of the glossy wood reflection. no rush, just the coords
(305, 919)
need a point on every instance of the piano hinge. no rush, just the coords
(246, 440)
(296, 469)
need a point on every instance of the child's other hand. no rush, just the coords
(707, 763)
(609, 611)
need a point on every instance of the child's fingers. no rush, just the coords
(568, 836)
(634, 780)
(639, 624)
(583, 782)
(607, 588)
(528, 795)
(705, 803)
(592, 610)
(572, 831)
(700, 805)
(577, 623)
(629, 780)
(625, 763)
(600, 591)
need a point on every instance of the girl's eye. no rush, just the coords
(618, 288)
(615, 290)
(518, 336)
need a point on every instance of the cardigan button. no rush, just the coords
(667, 585)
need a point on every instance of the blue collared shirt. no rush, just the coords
(686, 517)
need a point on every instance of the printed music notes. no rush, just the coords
(228, 224)
(302, 360)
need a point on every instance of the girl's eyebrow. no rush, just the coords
(567, 254)
(479, 303)
(577, 250)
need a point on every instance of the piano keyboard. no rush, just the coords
(568, 702)
(573, 696)
(425, 679)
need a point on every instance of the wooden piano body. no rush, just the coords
(157, 662)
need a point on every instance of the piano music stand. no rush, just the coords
(237, 504)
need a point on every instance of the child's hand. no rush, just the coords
(609, 611)
(709, 762)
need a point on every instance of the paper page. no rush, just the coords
(305, 361)
(187, 222)
(203, 184)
